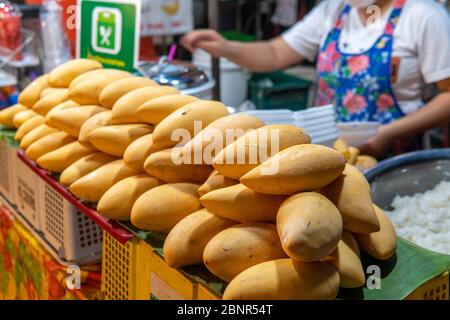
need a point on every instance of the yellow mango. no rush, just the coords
(118, 201)
(241, 247)
(7, 115)
(352, 196)
(119, 88)
(48, 144)
(125, 109)
(299, 168)
(285, 279)
(162, 207)
(64, 74)
(23, 116)
(365, 162)
(185, 119)
(115, 139)
(35, 134)
(93, 186)
(310, 226)
(31, 94)
(47, 103)
(71, 120)
(215, 181)
(99, 120)
(28, 125)
(186, 242)
(155, 110)
(381, 244)
(62, 106)
(84, 166)
(61, 158)
(354, 153)
(49, 91)
(139, 150)
(345, 259)
(98, 73)
(242, 204)
(341, 146)
(218, 134)
(87, 92)
(168, 166)
(255, 147)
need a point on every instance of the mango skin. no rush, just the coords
(58, 160)
(215, 181)
(93, 186)
(310, 226)
(184, 119)
(71, 120)
(186, 242)
(84, 166)
(115, 139)
(35, 134)
(352, 196)
(22, 117)
(301, 168)
(255, 147)
(28, 125)
(168, 166)
(242, 204)
(240, 247)
(116, 90)
(7, 115)
(125, 109)
(99, 120)
(118, 201)
(48, 144)
(346, 260)
(47, 103)
(31, 94)
(139, 150)
(217, 135)
(155, 110)
(285, 279)
(161, 208)
(381, 244)
(64, 74)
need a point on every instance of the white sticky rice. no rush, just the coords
(425, 218)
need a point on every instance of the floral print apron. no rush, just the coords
(359, 85)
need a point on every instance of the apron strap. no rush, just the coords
(395, 15)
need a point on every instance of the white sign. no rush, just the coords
(166, 17)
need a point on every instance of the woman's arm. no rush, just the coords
(433, 115)
(256, 56)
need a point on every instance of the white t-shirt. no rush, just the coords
(421, 42)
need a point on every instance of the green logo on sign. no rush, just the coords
(109, 32)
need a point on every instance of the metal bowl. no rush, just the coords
(407, 175)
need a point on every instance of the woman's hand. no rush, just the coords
(379, 144)
(206, 39)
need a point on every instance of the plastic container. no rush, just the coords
(10, 30)
(119, 263)
(75, 237)
(357, 133)
(54, 38)
(278, 90)
(233, 79)
(8, 172)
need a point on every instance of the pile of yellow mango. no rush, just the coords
(265, 210)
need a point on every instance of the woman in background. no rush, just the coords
(374, 59)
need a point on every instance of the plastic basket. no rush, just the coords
(119, 275)
(8, 172)
(75, 237)
(435, 289)
(279, 90)
(27, 195)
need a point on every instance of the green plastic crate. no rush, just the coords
(278, 90)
